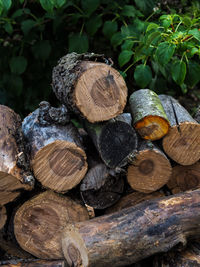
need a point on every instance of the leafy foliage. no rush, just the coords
(154, 47)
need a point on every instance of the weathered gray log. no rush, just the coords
(149, 117)
(56, 153)
(134, 233)
(101, 187)
(89, 88)
(188, 257)
(15, 173)
(115, 140)
(150, 168)
(183, 140)
(39, 222)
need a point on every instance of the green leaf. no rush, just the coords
(89, 6)
(146, 6)
(21, 1)
(195, 33)
(78, 43)
(15, 84)
(109, 28)
(42, 49)
(152, 37)
(93, 24)
(18, 64)
(6, 4)
(128, 31)
(116, 39)
(187, 21)
(152, 26)
(1, 7)
(127, 45)
(8, 28)
(59, 3)
(27, 25)
(129, 11)
(193, 73)
(124, 57)
(143, 75)
(178, 71)
(164, 52)
(47, 5)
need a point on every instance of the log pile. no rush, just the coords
(110, 192)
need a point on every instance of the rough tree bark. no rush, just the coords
(183, 140)
(14, 168)
(92, 89)
(56, 153)
(150, 169)
(115, 140)
(3, 216)
(39, 222)
(184, 178)
(34, 263)
(149, 117)
(134, 233)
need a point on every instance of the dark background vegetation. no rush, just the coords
(154, 44)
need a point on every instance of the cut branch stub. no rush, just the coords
(39, 222)
(184, 178)
(149, 117)
(56, 153)
(101, 187)
(92, 89)
(149, 170)
(13, 176)
(134, 233)
(182, 143)
(115, 140)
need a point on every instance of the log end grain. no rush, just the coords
(39, 222)
(60, 165)
(100, 92)
(149, 172)
(182, 144)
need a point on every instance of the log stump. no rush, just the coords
(184, 178)
(182, 143)
(39, 222)
(149, 170)
(57, 156)
(134, 233)
(14, 169)
(149, 117)
(115, 140)
(92, 89)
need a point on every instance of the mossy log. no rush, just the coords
(182, 143)
(132, 200)
(134, 233)
(115, 140)
(89, 88)
(39, 222)
(150, 169)
(149, 117)
(184, 178)
(3, 216)
(188, 257)
(34, 263)
(56, 153)
(101, 187)
(15, 174)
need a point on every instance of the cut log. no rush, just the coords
(150, 169)
(132, 200)
(101, 187)
(182, 143)
(39, 222)
(184, 178)
(14, 170)
(115, 140)
(57, 157)
(92, 89)
(149, 117)
(3, 216)
(189, 257)
(134, 233)
(34, 263)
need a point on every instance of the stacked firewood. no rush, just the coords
(122, 165)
